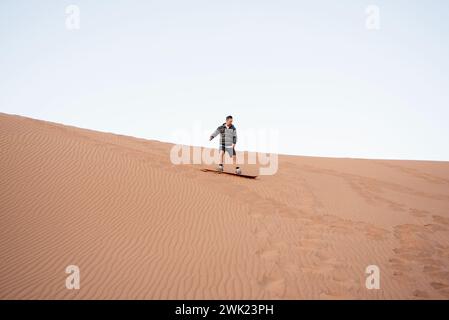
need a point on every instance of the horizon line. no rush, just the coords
(197, 146)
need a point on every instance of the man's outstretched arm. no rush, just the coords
(214, 134)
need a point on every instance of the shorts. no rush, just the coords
(229, 150)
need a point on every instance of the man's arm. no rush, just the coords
(214, 134)
(234, 138)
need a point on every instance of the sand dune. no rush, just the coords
(140, 227)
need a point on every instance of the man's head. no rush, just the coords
(229, 120)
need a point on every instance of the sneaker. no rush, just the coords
(238, 171)
(220, 168)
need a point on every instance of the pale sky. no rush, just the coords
(309, 69)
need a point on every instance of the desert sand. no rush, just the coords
(138, 226)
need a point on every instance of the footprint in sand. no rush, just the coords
(420, 294)
(345, 282)
(274, 285)
(317, 269)
(418, 213)
(435, 227)
(255, 214)
(330, 295)
(269, 253)
(286, 212)
(421, 251)
(441, 220)
(323, 265)
(260, 233)
(310, 244)
(439, 285)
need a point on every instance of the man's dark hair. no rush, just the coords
(228, 117)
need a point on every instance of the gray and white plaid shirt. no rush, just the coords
(228, 136)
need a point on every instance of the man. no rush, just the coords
(228, 135)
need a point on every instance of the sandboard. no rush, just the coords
(230, 173)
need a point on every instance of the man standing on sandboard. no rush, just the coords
(228, 140)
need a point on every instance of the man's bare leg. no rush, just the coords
(234, 163)
(220, 166)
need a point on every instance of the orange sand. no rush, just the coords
(139, 227)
